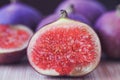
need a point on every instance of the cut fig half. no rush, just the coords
(13, 42)
(64, 48)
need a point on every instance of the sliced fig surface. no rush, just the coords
(65, 47)
(13, 42)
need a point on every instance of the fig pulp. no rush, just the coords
(64, 48)
(13, 42)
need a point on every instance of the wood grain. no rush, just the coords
(107, 70)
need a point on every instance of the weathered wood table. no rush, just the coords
(107, 70)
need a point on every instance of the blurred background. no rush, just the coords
(48, 6)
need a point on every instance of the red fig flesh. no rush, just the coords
(64, 47)
(13, 42)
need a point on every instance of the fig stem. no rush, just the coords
(13, 1)
(118, 10)
(63, 14)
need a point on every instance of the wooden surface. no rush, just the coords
(107, 70)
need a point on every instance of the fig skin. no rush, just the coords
(108, 29)
(89, 8)
(10, 56)
(53, 17)
(73, 74)
(18, 13)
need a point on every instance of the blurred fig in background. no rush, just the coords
(88, 8)
(108, 28)
(52, 4)
(18, 13)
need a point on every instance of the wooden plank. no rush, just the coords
(107, 70)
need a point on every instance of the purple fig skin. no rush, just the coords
(13, 57)
(91, 9)
(108, 29)
(53, 17)
(17, 13)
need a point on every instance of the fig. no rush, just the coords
(71, 14)
(64, 48)
(91, 9)
(13, 42)
(107, 27)
(19, 13)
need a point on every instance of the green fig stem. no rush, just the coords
(63, 14)
(118, 10)
(13, 1)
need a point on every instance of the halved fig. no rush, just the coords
(13, 42)
(64, 48)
